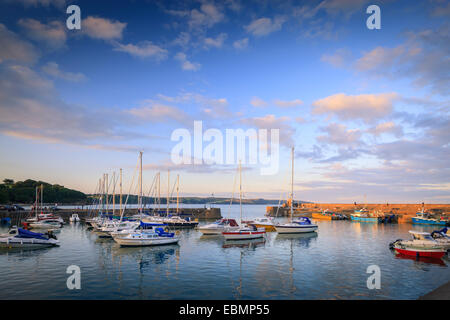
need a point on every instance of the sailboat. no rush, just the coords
(299, 225)
(243, 232)
(144, 237)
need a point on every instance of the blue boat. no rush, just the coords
(356, 217)
(423, 218)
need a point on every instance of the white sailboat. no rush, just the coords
(299, 225)
(144, 237)
(244, 231)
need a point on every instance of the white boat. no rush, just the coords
(74, 218)
(422, 240)
(117, 226)
(262, 222)
(45, 224)
(216, 228)
(442, 237)
(21, 238)
(139, 238)
(244, 231)
(299, 225)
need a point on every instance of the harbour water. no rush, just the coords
(331, 264)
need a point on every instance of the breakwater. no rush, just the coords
(404, 212)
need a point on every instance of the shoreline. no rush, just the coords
(440, 293)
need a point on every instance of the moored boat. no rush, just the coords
(262, 222)
(218, 227)
(21, 238)
(422, 244)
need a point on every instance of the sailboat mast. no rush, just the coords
(140, 182)
(36, 202)
(292, 183)
(114, 193)
(240, 189)
(107, 192)
(42, 196)
(159, 192)
(120, 198)
(178, 191)
(168, 190)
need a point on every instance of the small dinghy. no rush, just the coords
(21, 238)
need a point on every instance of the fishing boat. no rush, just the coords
(328, 215)
(262, 222)
(21, 238)
(425, 218)
(217, 227)
(299, 225)
(421, 245)
(244, 231)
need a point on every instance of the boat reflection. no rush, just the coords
(421, 261)
(248, 243)
(145, 255)
(299, 239)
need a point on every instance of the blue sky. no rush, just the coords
(367, 110)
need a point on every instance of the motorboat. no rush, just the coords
(74, 218)
(328, 215)
(262, 222)
(422, 244)
(140, 238)
(172, 221)
(298, 225)
(117, 226)
(218, 227)
(21, 238)
(43, 224)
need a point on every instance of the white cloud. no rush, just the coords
(270, 121)
(338, 59)
(53, 69)
(15, 49)
(216, 42)
(156, 112)
(185, 63)
(288, 104)
(339, 134)
(258, 103)
(387, 127)
(145, 49)
(367, 107)
(52, 34)
(100, 28)
(265, 26)
(241, 44)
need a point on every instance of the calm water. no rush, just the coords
(329, 265)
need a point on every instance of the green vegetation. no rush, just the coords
(25, 192)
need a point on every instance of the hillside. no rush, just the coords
(25, 192)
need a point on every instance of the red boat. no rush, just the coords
(429, 253)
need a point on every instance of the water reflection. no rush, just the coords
(421, 262)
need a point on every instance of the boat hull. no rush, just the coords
(428, 221)
(10, 243)
(321, 216)
(437, 254)
(127, 242)
(365, 219)
(243, 235)
(295, 229)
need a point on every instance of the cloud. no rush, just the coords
(156, 112)
(258, 103)
(44, 3)
(206, 16)
(241, 44)
(215, 42)
(144, 49)
(185, 63)
(340, 58)
(15, 49)
(265, 26)
(270, 121)
(387, 128)
(53, 34)
(423, 59)
(366, 107)
(288, 104)
(53, 69)
(339, 134)
(100, 28)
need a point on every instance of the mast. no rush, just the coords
(120, 198)
(178, 191)
(240, 189)
(292, 183)
(140, 182)
(36, 201)
(168, 190)
(42, 196)
(107, 195)
(114, 193)
(159, 192)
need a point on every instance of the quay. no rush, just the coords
(403, 212)
(193, 213)
(441, 293)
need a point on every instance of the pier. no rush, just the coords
(193, 213)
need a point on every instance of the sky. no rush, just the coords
(367, 110)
